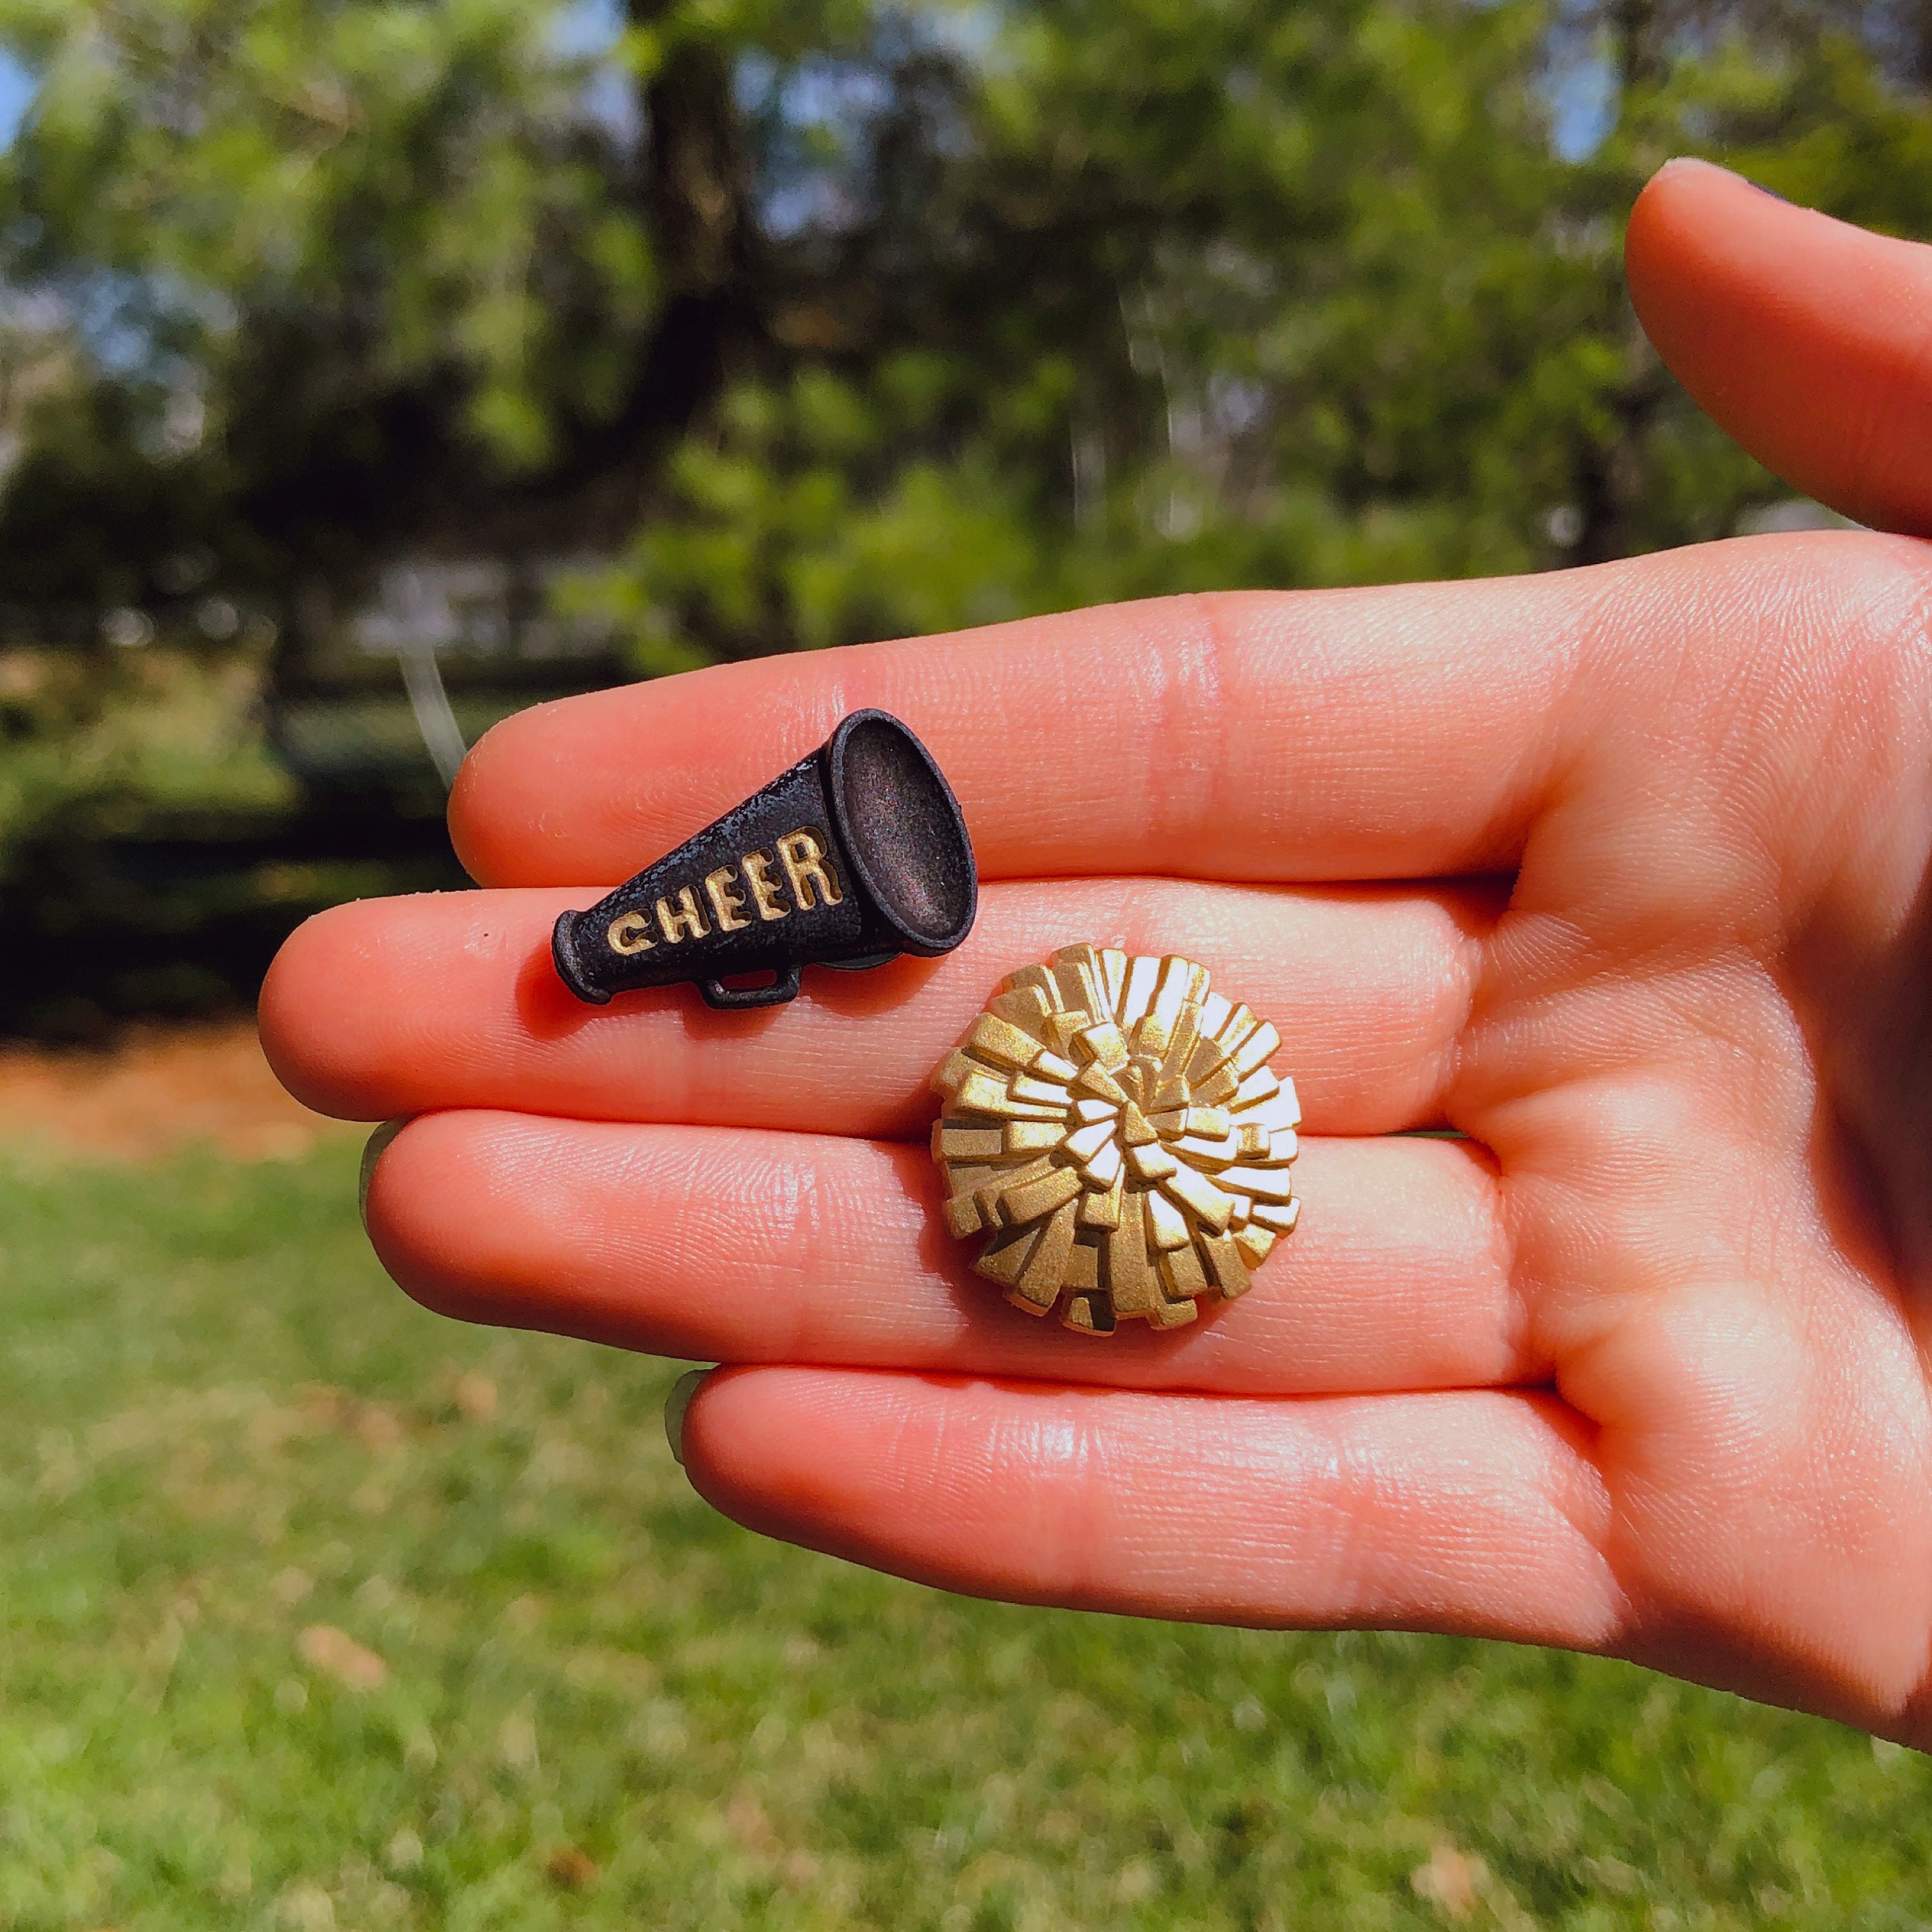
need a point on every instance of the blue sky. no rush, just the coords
(1583, 104)
(16, 89)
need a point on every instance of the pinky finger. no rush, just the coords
(1477, 1512)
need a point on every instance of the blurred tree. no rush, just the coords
(875, 317)
(1136, 295)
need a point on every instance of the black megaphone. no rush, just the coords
(855, 855)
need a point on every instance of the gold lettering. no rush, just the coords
(631, 933)
(764, 888)
(686, 922)
(724, 902)
(804, 862)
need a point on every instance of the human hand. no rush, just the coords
(1621, 871)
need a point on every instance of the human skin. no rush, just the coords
(1622, 871)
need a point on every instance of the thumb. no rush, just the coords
(1810, 341)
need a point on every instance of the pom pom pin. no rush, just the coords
(1113, 1128)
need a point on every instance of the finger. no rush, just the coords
(721, 1244)
(1389, 733)
(1805, 338)
(400, 1005)
(1475, 1510)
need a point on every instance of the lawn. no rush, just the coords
(318, 1612)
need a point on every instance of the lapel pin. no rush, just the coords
(1112, 1129)
(855, 855)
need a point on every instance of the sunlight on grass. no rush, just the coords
(319, 1612)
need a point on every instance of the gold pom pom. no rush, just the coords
(1114, 1130)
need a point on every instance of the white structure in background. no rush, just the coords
(1794, 514)
(474, 606)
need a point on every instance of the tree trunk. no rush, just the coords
(1636, 31)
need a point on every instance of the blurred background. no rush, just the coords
(369, 370)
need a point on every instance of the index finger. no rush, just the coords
(1395, 733)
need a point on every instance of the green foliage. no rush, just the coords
(154, 849)
(602, 1706)
(793, 322)
(410, 185)
(871, 318)
(1297, 294)
(157, 730)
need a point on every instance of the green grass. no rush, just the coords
(605, 1707)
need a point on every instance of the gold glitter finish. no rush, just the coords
(1113, 1128)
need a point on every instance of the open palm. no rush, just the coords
(1619, 871)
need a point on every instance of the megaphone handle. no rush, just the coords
(729, 999)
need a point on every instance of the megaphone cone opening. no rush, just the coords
(903, 831)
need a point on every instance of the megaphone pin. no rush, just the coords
(857, 854)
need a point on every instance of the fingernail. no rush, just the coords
(1678, 163)
(372, 1152)
(681, 1391)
